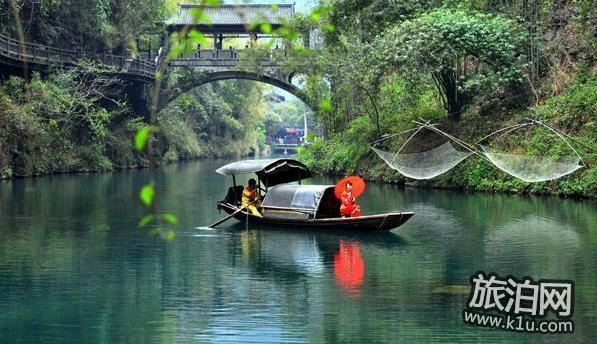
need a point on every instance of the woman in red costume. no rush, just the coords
(349, 207)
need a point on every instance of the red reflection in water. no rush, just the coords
(349, 268)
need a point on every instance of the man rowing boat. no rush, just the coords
(251, 198)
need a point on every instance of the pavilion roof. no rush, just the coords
(230, 17)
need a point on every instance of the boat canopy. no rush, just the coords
(270, 171)
(305, 198)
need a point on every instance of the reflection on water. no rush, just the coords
(74, 267)
(533, 242)
(349, 268)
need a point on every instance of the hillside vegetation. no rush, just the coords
(472, 67)
(63, 121)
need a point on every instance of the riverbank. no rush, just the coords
(133, 160)
(574, 112)
(474, 175)
(63, 123)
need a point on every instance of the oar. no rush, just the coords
(231, 215)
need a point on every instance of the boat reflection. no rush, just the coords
(349, 268)
(293, 255)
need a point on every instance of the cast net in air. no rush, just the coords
(423, 155)
(552, 159)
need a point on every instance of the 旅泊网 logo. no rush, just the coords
(543, 306)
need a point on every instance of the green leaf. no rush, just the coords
(330, 28)
(255, 24)
(141, 138)
(325, 105)
(146, 220)
(155, 231)
(170, 218)
(270, 43)
(266, 28)
(170, 235)
(147, 194)
(197, 37)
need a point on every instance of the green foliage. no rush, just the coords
(147, 219)
(287, 114)
(88, 25)
(147, 194)
(366, 19)
(343, 152)
(574, 108)
(464, 53)
(62, 126)
(573, 111)
(454, 50)
(142, 137)
(459, 54)
(218, 119)
(170, 218)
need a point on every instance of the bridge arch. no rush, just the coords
(245, 75)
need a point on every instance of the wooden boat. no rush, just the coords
(293, 205)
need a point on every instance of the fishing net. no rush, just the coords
(428, 163)
(554, 157)
(424, 165)
(534, 168)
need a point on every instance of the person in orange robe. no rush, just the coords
(349, 207)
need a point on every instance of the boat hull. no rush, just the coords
(366, 223)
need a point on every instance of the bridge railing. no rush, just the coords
(144, 64)
(45, 55)
(227, 54)
(228, 58)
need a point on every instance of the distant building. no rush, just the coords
(275, 98)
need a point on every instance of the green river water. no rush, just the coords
(74, 267)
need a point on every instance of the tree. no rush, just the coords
(369, 18)
(89, 25)
(464, 53)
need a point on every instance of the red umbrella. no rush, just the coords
(358, 186)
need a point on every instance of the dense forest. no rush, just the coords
(472, 67)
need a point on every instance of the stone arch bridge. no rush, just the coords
(213, 64)
(139, 73)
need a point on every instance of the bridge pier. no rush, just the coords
(139, 96)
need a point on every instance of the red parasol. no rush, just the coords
(358, 186)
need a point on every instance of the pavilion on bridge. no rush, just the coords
(229, 20)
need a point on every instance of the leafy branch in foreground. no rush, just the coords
(148, 192)
(180, 42)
